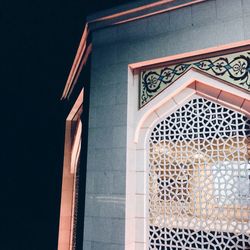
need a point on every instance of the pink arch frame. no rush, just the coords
(139, 123)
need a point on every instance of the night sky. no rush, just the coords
(38, 42)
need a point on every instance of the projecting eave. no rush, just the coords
(120, 14)
(80, 60)
(133, 11)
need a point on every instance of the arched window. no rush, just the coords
(199, 179)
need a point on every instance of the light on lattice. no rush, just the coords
(161, 150)
(199, 194)
(199, 156)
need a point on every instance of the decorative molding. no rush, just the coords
(80, 60)
(134, 11)
(70, 180)
(233, 68)
(111, 17)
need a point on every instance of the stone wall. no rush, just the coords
(203, 25)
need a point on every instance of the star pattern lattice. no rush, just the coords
(199, 179)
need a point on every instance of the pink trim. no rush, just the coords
(76, 107)
(71, 149)
(218, 49)
(159, 11)
(123, 13)
(158, 104)
(246, 107)
(84, 61)
(79, 54)
(74, 72)
(205, 85)
(76, 148)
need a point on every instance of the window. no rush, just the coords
(232, 183)
(199, 179)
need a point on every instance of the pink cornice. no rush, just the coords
(214, 51)
(158, 12)
(109, 20)
(79, 54)
(133, 10)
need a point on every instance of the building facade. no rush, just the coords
(164, 113)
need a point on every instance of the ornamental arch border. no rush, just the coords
(193, 83)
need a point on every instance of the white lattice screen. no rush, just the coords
(199, 186)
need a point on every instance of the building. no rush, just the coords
(165, 126)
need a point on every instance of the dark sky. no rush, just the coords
(38, 42)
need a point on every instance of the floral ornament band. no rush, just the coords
(233, 68)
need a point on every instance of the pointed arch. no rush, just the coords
(198, 166)
(190, 85)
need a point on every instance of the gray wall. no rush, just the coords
(203, 25)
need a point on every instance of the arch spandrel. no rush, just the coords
(190, 85)
(193, 82)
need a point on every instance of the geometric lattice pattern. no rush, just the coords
(199, 179)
